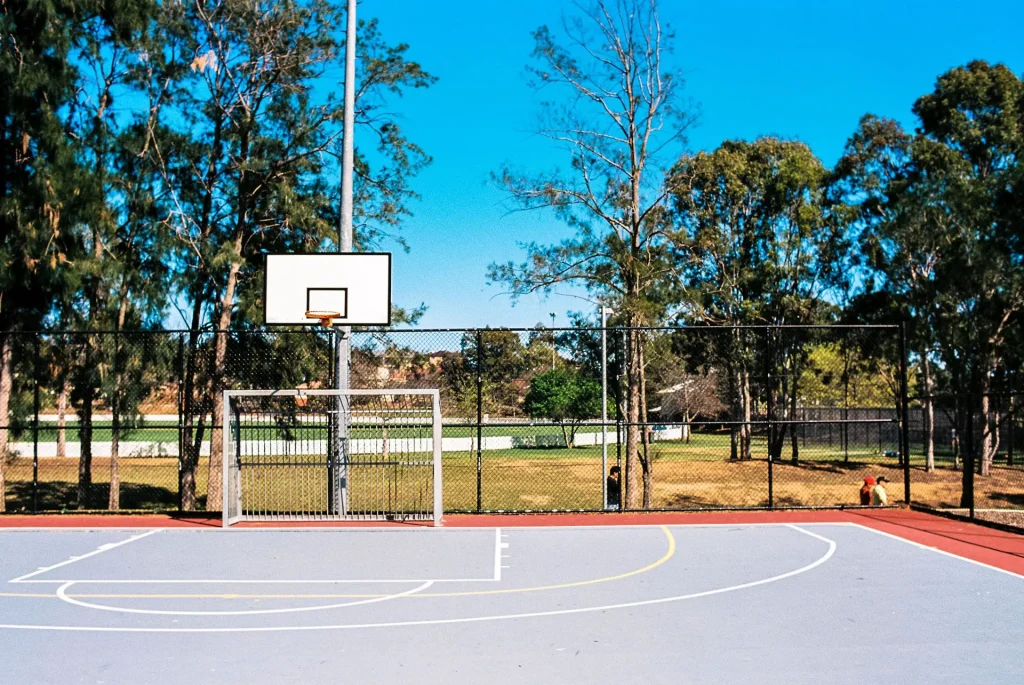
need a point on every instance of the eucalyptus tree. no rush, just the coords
(941, 233)
(761, 247)
(971, 137)
(617, 112)
(898, 217)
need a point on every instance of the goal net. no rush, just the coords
(329, 455)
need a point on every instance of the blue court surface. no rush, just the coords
(769, 603)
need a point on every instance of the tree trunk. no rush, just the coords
(62, 414)
(648, 455)
(988, 444)
(969, 452)
(195, 412)
(648, 468)
(734, 415)
(85, 441)
(929, 414)
(565, 436)
(214, 484)
(795, 443)
(632, 480)
(114, 497)
(793, 408)
(1011, 424)
(794, 438)
(6, 387)
(846, 408)
(780, 395)
(745, 432)
(194, 417)
(957, 433)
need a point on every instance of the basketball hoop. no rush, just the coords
(325, 318)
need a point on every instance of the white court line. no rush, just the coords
(260, 582)
(444, 621)
(419, 530)
(497, 554)
(250, 581)
(100, 550)
(62, 594)
(939, 551)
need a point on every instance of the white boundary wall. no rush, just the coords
(359, 446)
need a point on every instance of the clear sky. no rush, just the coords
(801, 70)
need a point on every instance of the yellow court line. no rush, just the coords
(669, 553)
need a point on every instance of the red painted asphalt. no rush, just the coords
(996, 548)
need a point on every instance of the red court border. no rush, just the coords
(1001, 549)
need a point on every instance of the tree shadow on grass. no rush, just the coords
(1015, 499)
(63, 496)
(687, 501)
(837, 467)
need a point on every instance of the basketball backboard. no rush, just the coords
(355, 285)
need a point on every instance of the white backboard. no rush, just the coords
(356, 285)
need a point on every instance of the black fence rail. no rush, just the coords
(732, 417)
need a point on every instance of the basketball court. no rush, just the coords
(333, 562)
(807, 601)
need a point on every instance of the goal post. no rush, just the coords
(284, 461)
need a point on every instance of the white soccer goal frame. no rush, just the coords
(436, 438)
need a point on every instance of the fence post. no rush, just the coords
(904, 413)
(968, 474)
(35, 427)
(624, 474)
(846, 408)
(769, 390)
(479, 419)
(332, 366)
(181, 409)
(115, 421)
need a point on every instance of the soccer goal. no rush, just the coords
(332, 455)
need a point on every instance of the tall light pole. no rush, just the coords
(605, 311)
(344, 333)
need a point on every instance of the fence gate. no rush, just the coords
(320, 455)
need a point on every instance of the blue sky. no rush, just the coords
(801, 70)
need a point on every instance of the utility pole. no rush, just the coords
(343, 334)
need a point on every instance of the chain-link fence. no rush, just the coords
(721, 417)
(967, 453)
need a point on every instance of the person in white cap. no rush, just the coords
(879, 498)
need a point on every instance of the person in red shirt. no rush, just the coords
(865, 492)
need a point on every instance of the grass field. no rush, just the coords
(694, 475)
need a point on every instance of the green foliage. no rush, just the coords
(566, 397)
(938, 214)
(500, 361)
(37, 164)
(756, 239)
(246, 141)
(838, 376)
